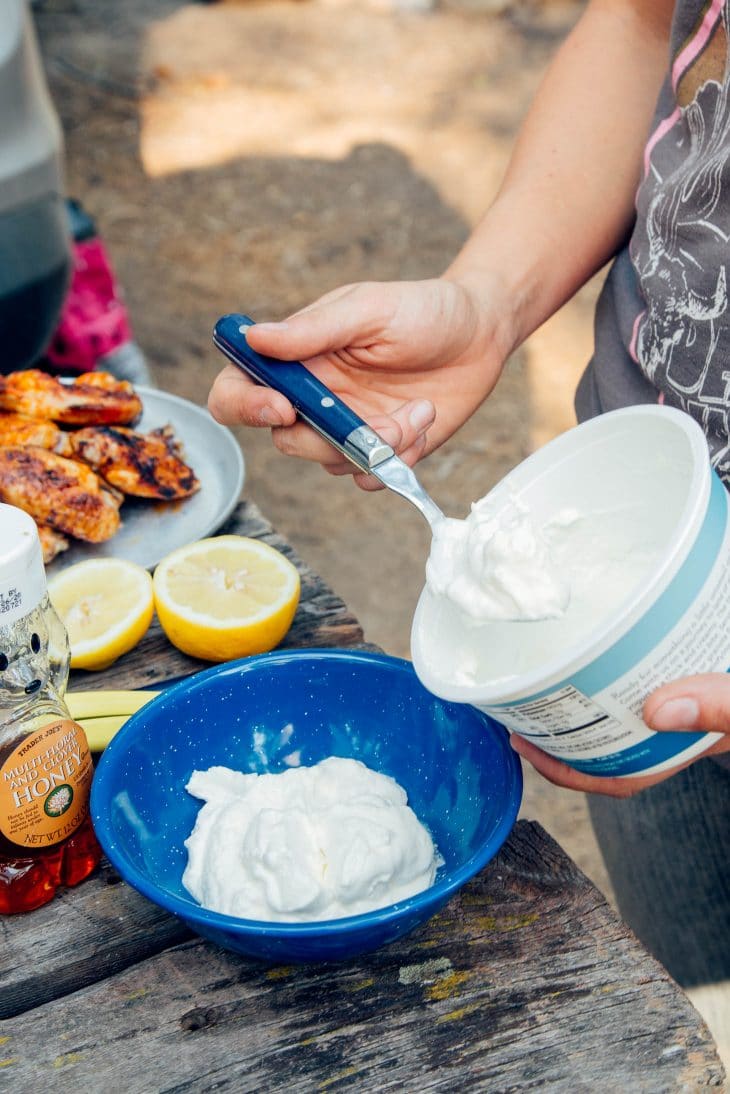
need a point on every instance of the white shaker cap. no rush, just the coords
(22, 576)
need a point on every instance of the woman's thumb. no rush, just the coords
(332, 323)
(693, 703)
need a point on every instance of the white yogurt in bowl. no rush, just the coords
(311, 843)
(629, 533)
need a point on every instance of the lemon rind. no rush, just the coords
(169, 603)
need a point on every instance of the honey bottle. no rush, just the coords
(46, 838)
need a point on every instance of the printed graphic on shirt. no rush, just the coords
(680, 248)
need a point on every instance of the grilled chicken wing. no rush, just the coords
(52, 542)
(16, 429)
(57, 491)
(146, 465)
(95, 397)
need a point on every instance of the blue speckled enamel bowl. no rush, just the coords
(462, 779)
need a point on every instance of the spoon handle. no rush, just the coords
(312, 400)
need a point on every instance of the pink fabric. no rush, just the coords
(94, 321)
(657, 135)
(681, 63)
(635, 335)
(698, 43)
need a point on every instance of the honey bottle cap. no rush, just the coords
(22, 576)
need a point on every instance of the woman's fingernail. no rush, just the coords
(676, 714)
(272, 326)
(270, 417)
(421, 415)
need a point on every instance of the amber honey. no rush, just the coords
(46, 837)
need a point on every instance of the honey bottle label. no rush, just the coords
(44, 785)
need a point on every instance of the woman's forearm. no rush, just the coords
(567, 200)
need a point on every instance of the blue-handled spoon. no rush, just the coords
(325, 412)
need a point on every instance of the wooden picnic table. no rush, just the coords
(527, 978)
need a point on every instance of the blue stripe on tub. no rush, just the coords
(654, 750)
(656, 623)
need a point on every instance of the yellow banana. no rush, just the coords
(101, 714)
(99, 731)
(101, 704)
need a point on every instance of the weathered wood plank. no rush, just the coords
(322, 619)
(83, 935)
(527, 978)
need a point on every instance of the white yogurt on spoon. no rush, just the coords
(497, 564)
(508, 590)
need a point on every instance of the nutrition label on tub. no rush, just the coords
(558, 714)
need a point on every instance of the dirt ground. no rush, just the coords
(250, 156)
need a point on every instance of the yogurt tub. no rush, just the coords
(640, 524)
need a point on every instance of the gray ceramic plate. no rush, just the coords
(151, 529)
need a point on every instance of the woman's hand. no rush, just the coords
(414, 359)
(692, 704)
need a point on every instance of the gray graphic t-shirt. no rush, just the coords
(662, 321)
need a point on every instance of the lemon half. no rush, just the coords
(225, 597)
(106, 605)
